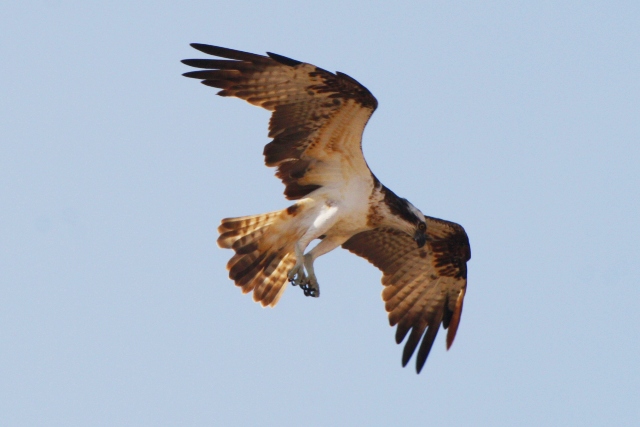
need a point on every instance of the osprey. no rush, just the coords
(317, 124)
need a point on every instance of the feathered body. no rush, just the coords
(317, 124)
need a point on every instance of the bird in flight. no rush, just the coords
(317, 122)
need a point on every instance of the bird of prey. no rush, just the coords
(317, 122)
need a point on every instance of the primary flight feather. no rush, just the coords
(317, 124)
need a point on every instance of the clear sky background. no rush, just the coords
(518, 120)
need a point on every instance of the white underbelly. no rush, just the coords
(343, 213)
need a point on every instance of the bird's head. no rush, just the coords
(420, 235)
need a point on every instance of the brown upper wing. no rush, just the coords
(317, 121)
(424, 287)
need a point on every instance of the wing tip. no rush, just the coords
(202, 47)
(192, 74)
(225, 52)
(455, 319)
(284, 60)
(405, 359)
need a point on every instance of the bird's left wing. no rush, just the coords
(424, 287)
(318, 116)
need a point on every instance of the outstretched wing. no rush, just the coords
(424, 287)
(317, 121)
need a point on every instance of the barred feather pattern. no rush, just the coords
(316, 114)
(317, 122)
(423, 287)
(258, 265)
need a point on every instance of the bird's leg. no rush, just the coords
(296, 275)
(327, 217)
(310, 286)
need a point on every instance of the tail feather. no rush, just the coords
(260, 263)
(278, 281)
(246, 264)
(248, 281)
(263, 279)
(269, 288)
(245, 281)
(249, 243)
(231, 229)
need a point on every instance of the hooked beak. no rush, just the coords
(420, 237)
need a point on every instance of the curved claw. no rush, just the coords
(310, 291)
(309, 284)
(296, 276)
(311, 287)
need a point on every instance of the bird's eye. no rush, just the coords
(422, 226)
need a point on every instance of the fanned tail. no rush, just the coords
(261, 261)
(232, 229)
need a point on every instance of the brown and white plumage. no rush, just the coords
(424, 287)
(316, 114)
(317, 124)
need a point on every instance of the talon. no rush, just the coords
(311, 289)
(297, 276)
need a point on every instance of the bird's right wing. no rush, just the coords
(424, 287)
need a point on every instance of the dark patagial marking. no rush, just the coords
(295, 191)
(293, 210)
(399, 206)
(293, 170)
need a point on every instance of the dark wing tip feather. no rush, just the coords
(425, 347)
(220, 84)
(401, 332)
(194, 74)
(210, 64)
(224, 52)
(284, 60)
(412, 343)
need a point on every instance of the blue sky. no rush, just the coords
(518, 120)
